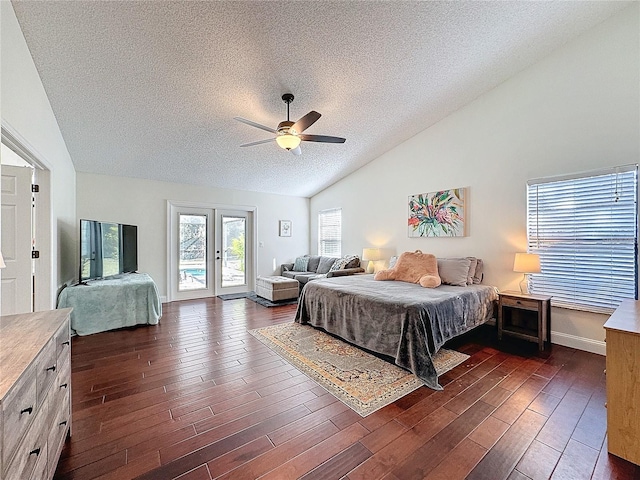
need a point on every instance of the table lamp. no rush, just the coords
(370, 254)
(526, 263)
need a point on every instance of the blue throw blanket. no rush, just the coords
(121, 301)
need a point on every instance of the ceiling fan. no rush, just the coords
(289, 134)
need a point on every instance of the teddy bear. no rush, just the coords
(413, 267)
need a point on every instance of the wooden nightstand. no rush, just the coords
(525, 316)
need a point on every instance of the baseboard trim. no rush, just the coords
(581, 343)
(163, 299)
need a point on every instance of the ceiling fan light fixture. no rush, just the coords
(288, 141)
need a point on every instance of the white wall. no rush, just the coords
(27, 114)
(144, 203)
(576, 110)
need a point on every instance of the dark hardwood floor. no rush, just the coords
(197, 397)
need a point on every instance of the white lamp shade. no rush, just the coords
(2, 264)
(288, 141)
(526, 263)
(371, 254)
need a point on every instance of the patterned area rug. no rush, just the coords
(362, 381)
(265, 302)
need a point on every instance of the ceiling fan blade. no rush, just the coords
(259, 142)
(306, 121)
(254, 124)
(296, 151)
(322, 138)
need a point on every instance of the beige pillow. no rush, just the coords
(472, 270)
(454, 271)
(477, 277)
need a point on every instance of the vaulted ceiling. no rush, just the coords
(149, 89)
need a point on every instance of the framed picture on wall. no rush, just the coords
(285, 228)
(438, 214)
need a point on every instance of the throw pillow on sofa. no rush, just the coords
(341, 263)
(301, 264)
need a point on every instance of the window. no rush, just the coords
(584, 228)
(330, 232)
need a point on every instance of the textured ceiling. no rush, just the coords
(150, 89)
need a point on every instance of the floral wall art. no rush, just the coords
(437, 214)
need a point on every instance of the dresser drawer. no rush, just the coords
(63, 383)
(40, 470)
(46, 370)
(57, 433)
(18, 411)
(519, 303)
(63, 340)
(32, 447)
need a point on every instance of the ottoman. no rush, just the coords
(277, 288)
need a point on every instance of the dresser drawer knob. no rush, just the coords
(52, 368)
(62, 423)
(64, 385)
(65, 343)
(35, 452)
(26, 410)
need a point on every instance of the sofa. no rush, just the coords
(310, 267)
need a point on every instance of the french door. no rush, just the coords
(210, 251)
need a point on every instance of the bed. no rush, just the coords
(401, 320)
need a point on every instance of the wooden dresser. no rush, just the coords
(35, 393)
(623, 381)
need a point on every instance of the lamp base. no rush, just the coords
(524, 284)
(370, 267)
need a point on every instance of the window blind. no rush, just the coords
(585, 230)
(330, 232)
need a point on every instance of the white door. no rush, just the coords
(16, 240)
(234, 251)
(191, 261)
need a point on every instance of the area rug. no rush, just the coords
(255, 298)
(359, 379)
(234, 296)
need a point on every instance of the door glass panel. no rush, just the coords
(233, 251)
(193, 252)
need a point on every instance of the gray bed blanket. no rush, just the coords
(398, 319)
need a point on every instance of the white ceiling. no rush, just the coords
(149, 89)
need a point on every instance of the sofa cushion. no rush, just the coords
(301, 264)
(303, 278)
(325, 264)
(314, 260)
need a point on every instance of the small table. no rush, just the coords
(525, 316)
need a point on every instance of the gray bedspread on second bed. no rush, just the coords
(398, 319)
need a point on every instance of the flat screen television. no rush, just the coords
(107, 249)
